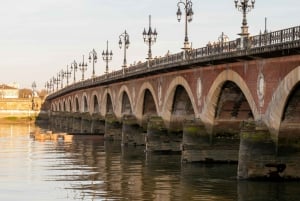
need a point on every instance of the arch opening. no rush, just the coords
(231, 109)
(85, 104)
(70, 106)
(96, 105)
(64, 108)
(109, 105)
(291, 113)
(126, 106)
(76, 105)
(232, 103)
(149, 107)
(182, 109)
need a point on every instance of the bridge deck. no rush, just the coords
(274, 44)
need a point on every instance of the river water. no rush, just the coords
(89, 168)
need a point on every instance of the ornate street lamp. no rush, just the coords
(93, 57)
(244, 6)
(149, 38)
(107, 57)
(223, 39)
(56, 80)
(74, 68)
(82, 67)
(62, 75)
(67, 74)
(188, 7)
(33, 89)
(126, 42)
(51, 85)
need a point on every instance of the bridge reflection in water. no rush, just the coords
(90, 168)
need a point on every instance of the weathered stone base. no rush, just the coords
(257, 155)
(159, 139)
(98, 126)
(113, 128)
(289, 150)
(132, 133)
(199, 146)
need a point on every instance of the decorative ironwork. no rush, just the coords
(107, 57)
(149, 38)
(244, 6)
(263, 43)
(82, 67)
(67, 74)
(93, 58)
(188, 8)
(126, 43)
(74, 68)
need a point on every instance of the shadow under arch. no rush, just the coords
(94, 103)
(211, 100)
(108, 107)
(77, 104)
(275, 110)
(140, 106)
(170, 93)
(124, 102)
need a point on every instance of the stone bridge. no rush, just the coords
(225, 102)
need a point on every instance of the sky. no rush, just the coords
(39, 38)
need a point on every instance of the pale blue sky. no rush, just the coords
(38, 38)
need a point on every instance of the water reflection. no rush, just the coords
(89, 168)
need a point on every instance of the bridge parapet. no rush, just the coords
(262, 45)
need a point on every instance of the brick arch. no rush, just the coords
(279, 100)
(69, 105)
(119, 100)
(83, 97)
(208, 112)
(168, 101)
(92, 104)
(140, 99)
(106, 93)
(79, 103)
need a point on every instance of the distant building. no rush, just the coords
(8, 91)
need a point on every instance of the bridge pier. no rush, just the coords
(113, 128)
(86, 120)
(196, 142)
(289, 149)
(158, 138)
(200, 146)
(97, 124)
(132, 133)
(257, 155)
(76, 123)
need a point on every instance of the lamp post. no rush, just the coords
(107, 57)
(223, 39)
(188, 7)
(126, 42)
(51, 85)
(62, 75)
(93, 58)
(82, 67)
(33, 89)
(67, 74)
(74, 68)
(149, 39)
(244, 6)
(56, 80)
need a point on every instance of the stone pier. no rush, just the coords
(113, 128)
(132, 133)
(257, 154)
(158, 138)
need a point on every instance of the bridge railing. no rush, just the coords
(205, 53)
